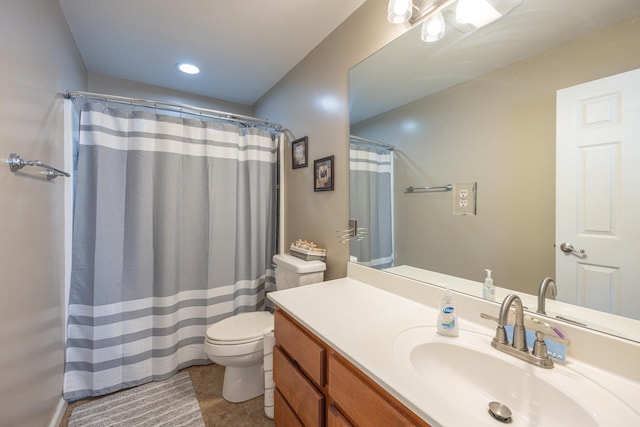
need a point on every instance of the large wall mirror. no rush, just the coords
(490, 108)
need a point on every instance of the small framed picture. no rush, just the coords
(300, 153)
(323, 174)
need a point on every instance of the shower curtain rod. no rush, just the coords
(367, 141)
(178, 108)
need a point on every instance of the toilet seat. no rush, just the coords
(243, 328)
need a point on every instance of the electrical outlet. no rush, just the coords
(464, 198)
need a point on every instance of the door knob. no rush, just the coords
(569, 249)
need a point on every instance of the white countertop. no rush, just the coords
(362, 323)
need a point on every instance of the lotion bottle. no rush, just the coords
(447, 316)
(488, 289)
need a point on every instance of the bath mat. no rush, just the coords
(169, 403)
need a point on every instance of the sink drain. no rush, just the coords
(500, 412)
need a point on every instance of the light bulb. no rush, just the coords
(188, 68)
(476, 12)
(399, 11)
(433, 28)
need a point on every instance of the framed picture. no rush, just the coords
(323, 174)
(299, 153)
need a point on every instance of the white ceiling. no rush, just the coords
(243, 47)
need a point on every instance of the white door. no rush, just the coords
(598, 194)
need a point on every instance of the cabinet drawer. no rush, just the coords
(303, 398)
(363, 400)
(284, 416)
(306, 351)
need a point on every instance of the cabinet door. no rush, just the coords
(362, 400)
(335, 418)
(303, 398)
(284, 415)
(306, 351)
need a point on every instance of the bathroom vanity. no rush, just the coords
(363, 351)
(316, 385)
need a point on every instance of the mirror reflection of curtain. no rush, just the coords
(174, 229)
(371, 204)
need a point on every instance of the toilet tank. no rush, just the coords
(292, 272)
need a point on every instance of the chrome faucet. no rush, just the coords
(518, 346)
(519, 341)
(542, 293)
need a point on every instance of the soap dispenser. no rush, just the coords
(447, 316)
(488, 289)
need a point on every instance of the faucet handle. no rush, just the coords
(501, 335)
(489, 317)
(540, 351)
(539, 346)
(546, 330)
(501, 332)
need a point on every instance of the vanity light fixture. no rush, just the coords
(469, 14)
(188, 68)
(414, 11)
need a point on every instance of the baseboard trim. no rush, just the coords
(59, 414)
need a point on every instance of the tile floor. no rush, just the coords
(207, 383)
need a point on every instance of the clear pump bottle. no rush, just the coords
(488, 289)
(447, 316)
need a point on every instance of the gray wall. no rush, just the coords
(498, 130)
(313, 100)
(39, 61)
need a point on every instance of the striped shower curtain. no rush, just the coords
(371, 204)
(174, 229)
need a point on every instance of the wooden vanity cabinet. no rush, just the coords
(363, 401)
(315, 386)
(299, 366)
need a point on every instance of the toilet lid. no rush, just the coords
(241, 328)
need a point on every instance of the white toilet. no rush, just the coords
(237, 341)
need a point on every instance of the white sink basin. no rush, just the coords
(461, 376)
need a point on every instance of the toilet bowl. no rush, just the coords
(237, 341)
(237, 344)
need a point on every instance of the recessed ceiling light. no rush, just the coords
(188, 68)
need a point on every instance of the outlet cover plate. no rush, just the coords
(464, 198)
